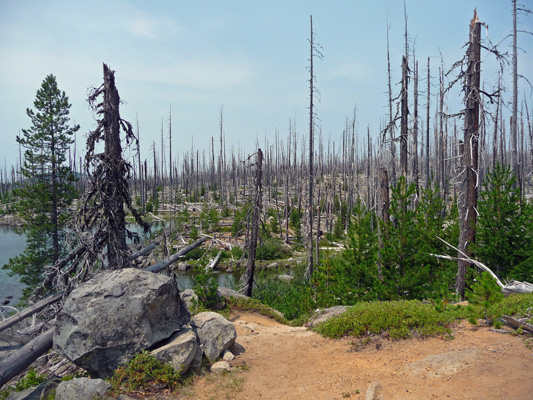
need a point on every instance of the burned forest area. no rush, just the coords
(142, 277)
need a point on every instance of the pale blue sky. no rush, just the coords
(250, 57)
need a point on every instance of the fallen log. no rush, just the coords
(30, 311)
(19, 361)
(509, 288)
(516, 324)
(160, 266)
(142, 252)
(213, 263)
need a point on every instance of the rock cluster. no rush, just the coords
(117, 314)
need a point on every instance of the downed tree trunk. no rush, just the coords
(509, 288)
(142, 252)
(30, 311)
(516, 324)
(213, 263)
(17, 362)
(160, 266)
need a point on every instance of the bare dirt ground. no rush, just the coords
(282, 362)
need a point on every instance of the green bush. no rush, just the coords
(31, 379)
(485, 294)
(295, 299)
(237, 252)
(399, 319)
(206, 288)
(520, 304)
(269, 249)
(144, 373)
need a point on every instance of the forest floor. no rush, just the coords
(283, 362)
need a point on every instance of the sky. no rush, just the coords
(247, 58)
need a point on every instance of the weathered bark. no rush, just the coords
(404, 119)
(19, 361)
(427, 125)
(258, 195)
(310, 263)
(160, 266)
(116, 246)
(514, 118)
(383, 213)
(415, 129)
(30, 311)
(515, 324)
(391, 117)
(470, 157)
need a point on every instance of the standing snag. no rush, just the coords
(468, 198)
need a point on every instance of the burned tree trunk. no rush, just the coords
(258, 195)
(404, 118)
(468, 201)
(102, 217)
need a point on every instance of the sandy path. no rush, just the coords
(283, 362)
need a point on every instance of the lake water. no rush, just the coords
(12, 244)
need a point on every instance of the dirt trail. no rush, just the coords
(282, 362)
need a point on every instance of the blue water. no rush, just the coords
(11, 245)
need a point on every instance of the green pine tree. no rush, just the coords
(504, 235)
(48, 188)
(485, 293)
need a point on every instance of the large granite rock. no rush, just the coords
(216, 333)
(82, 389)
(179, 351)
(114, 316)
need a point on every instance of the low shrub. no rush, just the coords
(399, 319)
(145, 373)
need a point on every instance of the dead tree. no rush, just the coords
(314, 52)
(404, 104)
(468, 200)
(258, 196)
(427, 125)
(391, 118)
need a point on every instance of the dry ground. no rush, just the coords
(282, 362)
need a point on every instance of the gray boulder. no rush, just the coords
(216, 333)
(187, 296)
(179, 351)
(114, 316)
(285, 278)
(220, 366)
(227, 293)
(325, 314)
(82, 389)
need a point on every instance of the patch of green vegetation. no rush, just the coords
(31, 379)
(250, 304)
(237, 252)
(144, 372)
(206, 288)
(399, 319)
(484, 297)
(515, 304)
(270, 249)
(295, 299)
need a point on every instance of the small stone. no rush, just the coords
(237, 349)
(220, 366)
(228, 356)
(374, 392)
